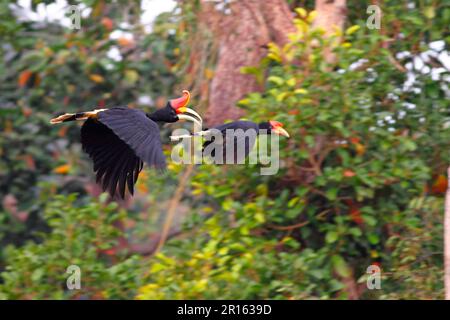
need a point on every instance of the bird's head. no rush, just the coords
(277, 127)
(179, 111)
(176, 110)
(274, 127)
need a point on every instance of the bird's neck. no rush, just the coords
(264, 126)
(158, 116)
(153, 117)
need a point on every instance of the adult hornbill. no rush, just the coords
(239, 136)
(119, 140)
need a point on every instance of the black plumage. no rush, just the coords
(120, 140)
(244, 137)
(237, 136)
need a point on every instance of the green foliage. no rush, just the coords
(359, 159)
(82, 235)
(416, 271)
(46, 70)
(53, 70)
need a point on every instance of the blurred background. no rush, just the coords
(363, 91)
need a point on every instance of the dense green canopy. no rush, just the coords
(361, 181)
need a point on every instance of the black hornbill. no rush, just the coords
(238, 138)
(119, 140)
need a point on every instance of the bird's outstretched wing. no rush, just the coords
(119, 141)
(138, 131)
(114, 161)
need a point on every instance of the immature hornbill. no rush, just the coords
(119, 140)
(238, 138)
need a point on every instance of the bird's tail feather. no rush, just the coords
(76, 116)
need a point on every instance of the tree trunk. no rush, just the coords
(331, 15)
(243, 37)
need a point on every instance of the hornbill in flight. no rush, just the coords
(119, 140)
(240, 137)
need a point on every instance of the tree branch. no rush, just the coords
(173, 206)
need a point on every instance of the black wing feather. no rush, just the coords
(138, 131)
(118, 142)
(126, 170)
(103, 147)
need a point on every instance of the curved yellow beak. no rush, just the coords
(198, 121)
(186, 110)
(280, 131)
(183, 112)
